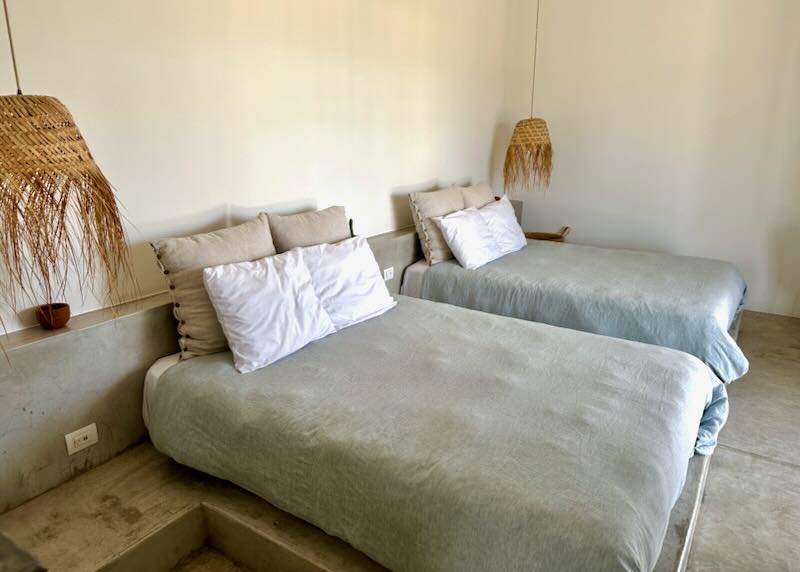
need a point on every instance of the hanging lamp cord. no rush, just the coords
(535, 54)
(11, 46)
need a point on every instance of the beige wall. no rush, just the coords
(676, 127)
(676, 124)
(202, 111)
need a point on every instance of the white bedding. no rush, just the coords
(151, 379)
(412, 279)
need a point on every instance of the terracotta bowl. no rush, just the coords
(53, 316)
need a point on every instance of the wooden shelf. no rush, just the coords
(551, 236)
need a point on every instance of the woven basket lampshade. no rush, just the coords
(57, 210)
(529, 157)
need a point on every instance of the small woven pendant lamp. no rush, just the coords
(529, 157)
(57, 210)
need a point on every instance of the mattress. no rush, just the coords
(679, 302)
(412, 279)
(151, 379)
(439, 438)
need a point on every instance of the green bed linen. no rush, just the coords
(436, 438)
(677, 302)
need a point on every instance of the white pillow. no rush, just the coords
(267, 308)
(468, 236)
(347, 281)
(502, 221)
(478, 236)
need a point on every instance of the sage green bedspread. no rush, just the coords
(440, 438)
(678, 302)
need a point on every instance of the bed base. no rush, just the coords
(243, 528)
(683, 519)
(734, 329)
(167, 497)
(224, 520)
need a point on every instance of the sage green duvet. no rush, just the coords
(679, 302)
(440, 438)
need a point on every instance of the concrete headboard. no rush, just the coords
(517, 209)
(44, 399)
(396, 250)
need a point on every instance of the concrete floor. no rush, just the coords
(751, 512)
(750, 519)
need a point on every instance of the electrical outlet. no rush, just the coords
(80, 439)
(388, 273)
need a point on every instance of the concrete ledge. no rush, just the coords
(53, 383)
(84, 321)
(397, 249)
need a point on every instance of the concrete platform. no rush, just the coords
(208, 560)
(205, 537)
(94, 520)
(143, 511)
(750, 518)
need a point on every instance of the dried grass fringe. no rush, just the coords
(529, 158)
(58, 213)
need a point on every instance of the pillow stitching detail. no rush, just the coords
(421, 225)
(175, 310)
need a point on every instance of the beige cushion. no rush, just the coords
(477, 196)
(182, 260)
(425, 205)
(309, 229)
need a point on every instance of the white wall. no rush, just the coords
(676, 127)
(199, 109)
(676, 124)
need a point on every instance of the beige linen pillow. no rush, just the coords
(309, 229)
(428, 204)
(477, 196)
(183, 259)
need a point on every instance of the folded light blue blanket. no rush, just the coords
(677, 302)
(435, 438)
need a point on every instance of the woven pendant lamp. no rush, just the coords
(529, 157)
(58, 213)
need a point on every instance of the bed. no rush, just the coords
(685, 303)
(439, 438)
